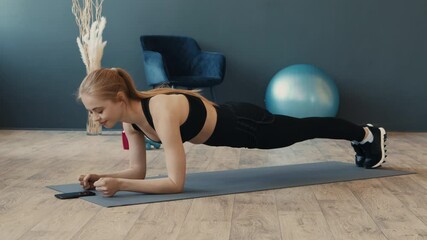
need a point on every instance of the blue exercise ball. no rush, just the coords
(302, 90)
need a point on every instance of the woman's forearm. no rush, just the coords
(158, 185)
(128, 173)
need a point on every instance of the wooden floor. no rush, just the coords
(387, 208)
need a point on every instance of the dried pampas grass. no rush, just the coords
(91, 26)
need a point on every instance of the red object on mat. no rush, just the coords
(125, 141)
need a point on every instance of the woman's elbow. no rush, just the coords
(177, 187)
(139, 174)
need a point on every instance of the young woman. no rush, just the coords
(173, 116)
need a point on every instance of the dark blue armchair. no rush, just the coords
(179, 62)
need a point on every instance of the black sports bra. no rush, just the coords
(191, 127)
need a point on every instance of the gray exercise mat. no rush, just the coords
(206, 184)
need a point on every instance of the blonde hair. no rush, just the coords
(105, 83)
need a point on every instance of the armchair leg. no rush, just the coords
(213, 94)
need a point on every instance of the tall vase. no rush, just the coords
(91, 25)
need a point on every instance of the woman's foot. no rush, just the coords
(359, 158)
(375, 152)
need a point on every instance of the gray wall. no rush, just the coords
(375, 50)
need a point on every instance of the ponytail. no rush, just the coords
(130, 85)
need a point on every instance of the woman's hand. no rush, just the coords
(108, 186)
(87, 181)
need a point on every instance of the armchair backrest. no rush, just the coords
(177, 52)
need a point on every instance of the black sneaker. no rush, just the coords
(359, 158)
(375, 151)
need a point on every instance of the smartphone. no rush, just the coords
(74, 194)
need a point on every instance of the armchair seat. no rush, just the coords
(178, 61)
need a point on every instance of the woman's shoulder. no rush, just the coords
(169, 108)
(167, 100)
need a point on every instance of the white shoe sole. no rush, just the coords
(383, 139)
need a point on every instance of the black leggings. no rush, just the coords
(247, 125)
